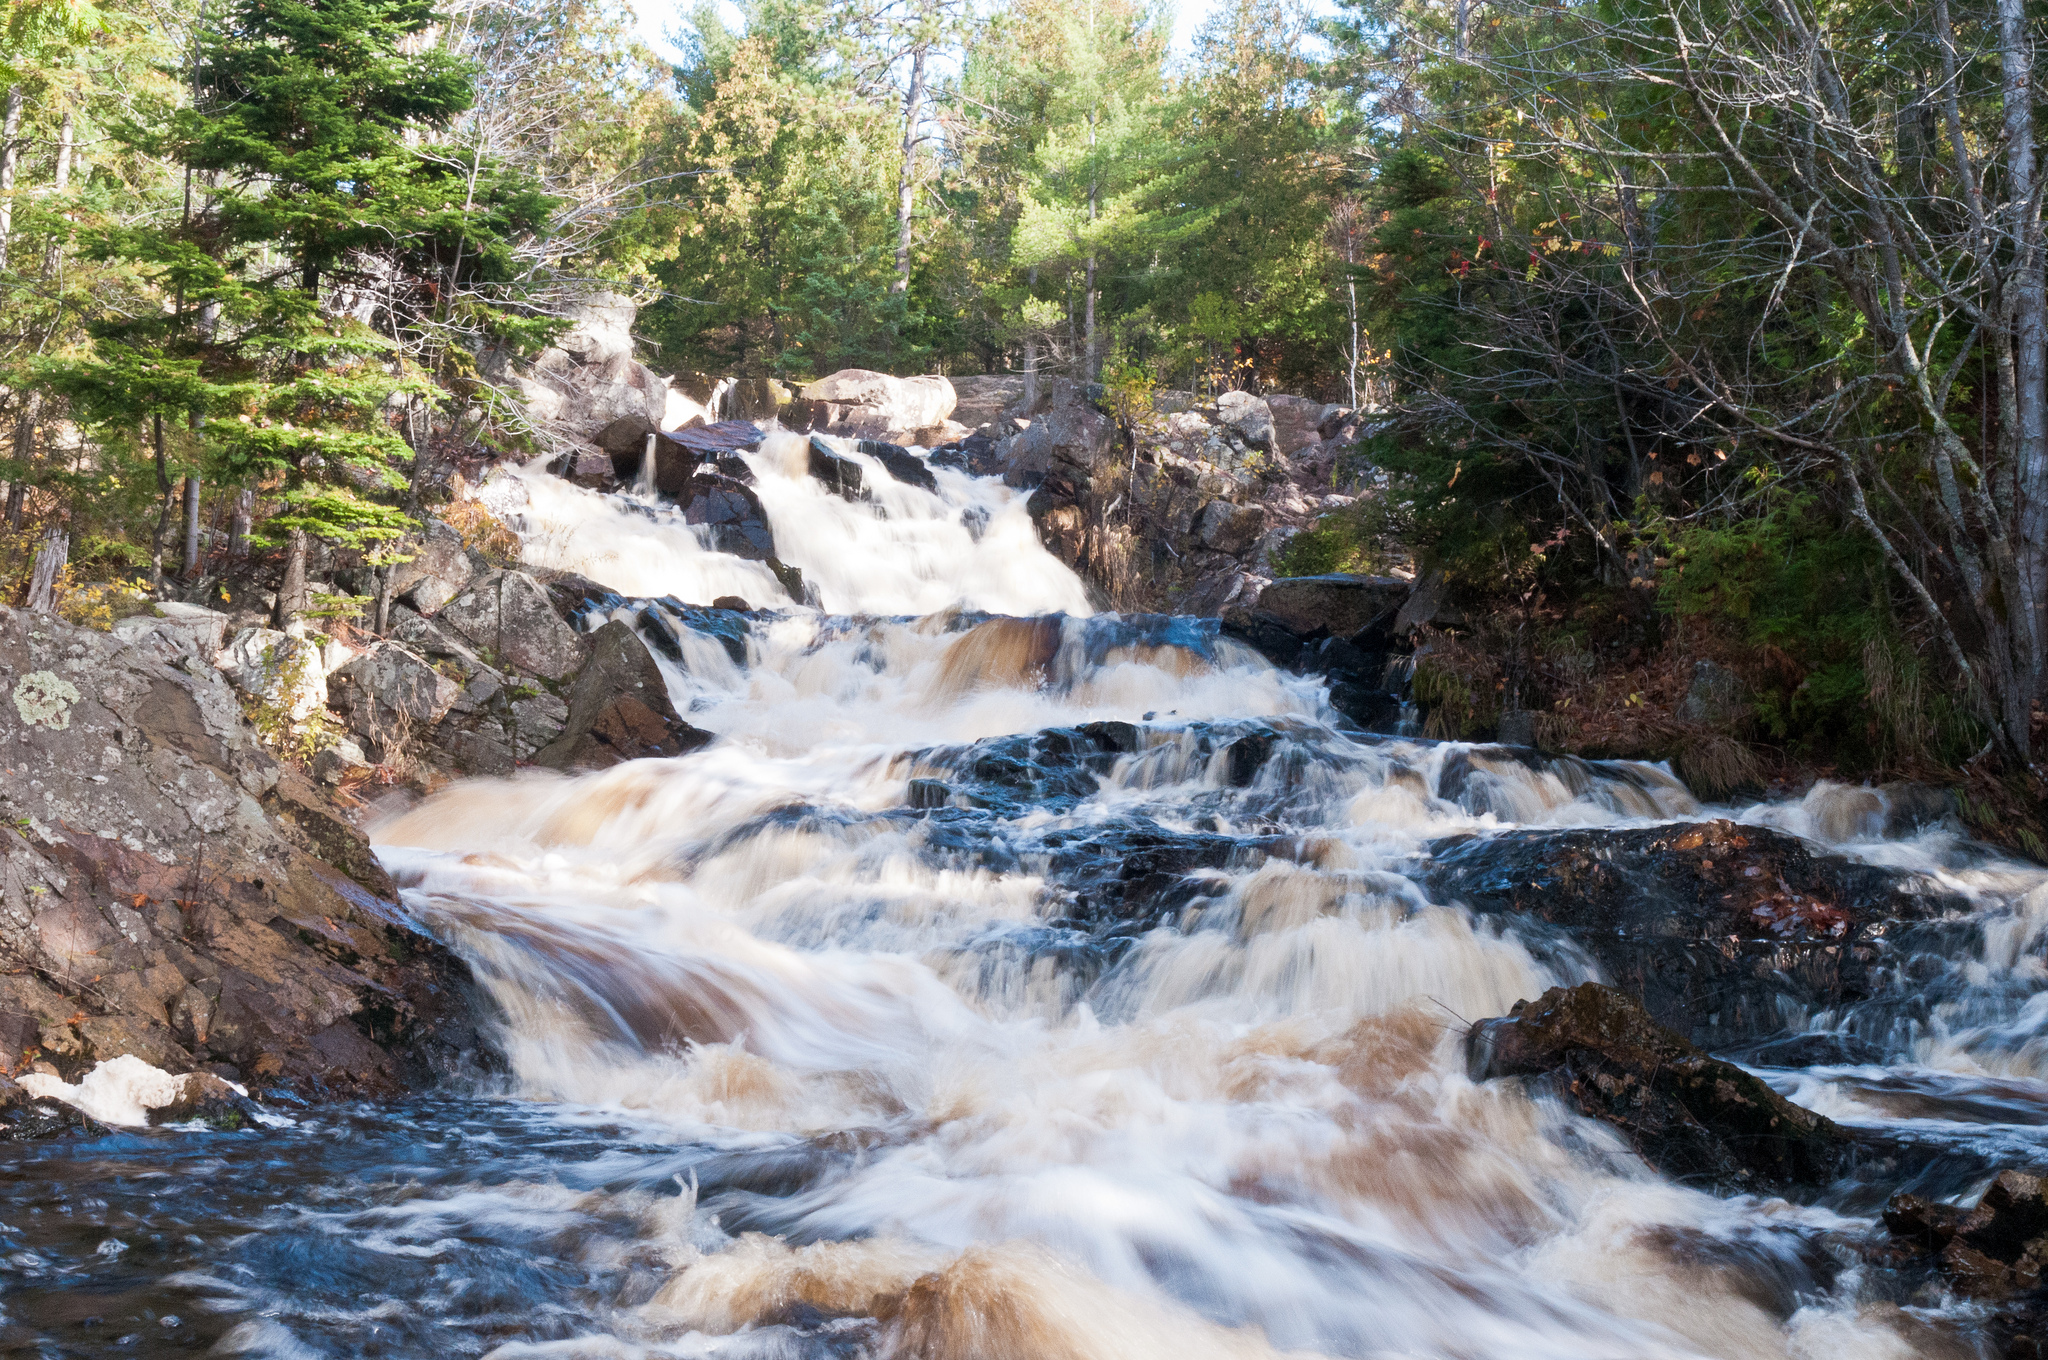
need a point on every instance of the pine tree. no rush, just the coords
(325, 243)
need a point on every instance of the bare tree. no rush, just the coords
(1856, 186)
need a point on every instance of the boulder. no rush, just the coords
(1069, 442)
(619, 709)
(866, 404)
(508, 617)
(1697, 1119)
(1334, 606)
(1295, 422)
(1721, 929)
(1716, 697)
(734, 515)
(387, 692)
(840, 475)
(756, 399)
(189, 628)
(25, 1115)
(436, 573)
(1230, 528)
(280, 672)
(1995, 1249)
(903, 465)
(586, 467)
(177, 896)
(1249, 417)
(982, 400)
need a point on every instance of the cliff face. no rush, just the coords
(169, 890)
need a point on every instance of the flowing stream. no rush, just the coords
(1006, 982)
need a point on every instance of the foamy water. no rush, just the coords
(866, 967)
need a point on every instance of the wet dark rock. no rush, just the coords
(738, 523)
(24, 1117)
(1724, 931)
(660, 633)
(1118, 881)
(732, 602)
(1265, 634)
(1812, 1050)
(574, 596)
(728, 626)
(928, 793)
(1993, 1253)
(1052, 769)
(209, 1099)
(591, 468)
(839, 475)
(1696, 1118)
(1333, 606)
(619, 709)
(903, 465)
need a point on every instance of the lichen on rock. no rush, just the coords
(44, 699)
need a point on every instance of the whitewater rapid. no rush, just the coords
(843, 962)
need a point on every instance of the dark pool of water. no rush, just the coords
(444, 1226)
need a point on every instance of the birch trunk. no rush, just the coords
(906, 185)
(2030, 364)
(10, 157)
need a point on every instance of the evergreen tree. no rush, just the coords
(325, 241)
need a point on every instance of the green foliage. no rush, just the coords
(1829, 673)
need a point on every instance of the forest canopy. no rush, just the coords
(1728, 316)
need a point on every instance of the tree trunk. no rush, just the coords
(1030, 347)
(67, 141)
(238, 524)
(292, 596)
(10, 157)
(1092, 367)
(906, 187)
(49, 565)
(191, 571)
(163, 515)
(2030, 360)
(24, 451)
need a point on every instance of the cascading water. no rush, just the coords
(1011, 981)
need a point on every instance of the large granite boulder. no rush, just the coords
(169, 891)
(507, 615)
(619, 709)
(283, 675)
(986, 398)
(1229, 528)
(1249, 417)
(870, 405)
(1295, 422)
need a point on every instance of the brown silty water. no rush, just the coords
(1007, 981)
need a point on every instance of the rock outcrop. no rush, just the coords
(169, 891)
(1722, 929)
(1696, 1118)
(619, 709)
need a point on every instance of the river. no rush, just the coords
(1006, 982)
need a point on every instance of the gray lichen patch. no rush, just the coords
(44, 699)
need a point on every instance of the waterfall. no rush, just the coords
(1010, 980)
(643, 486)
